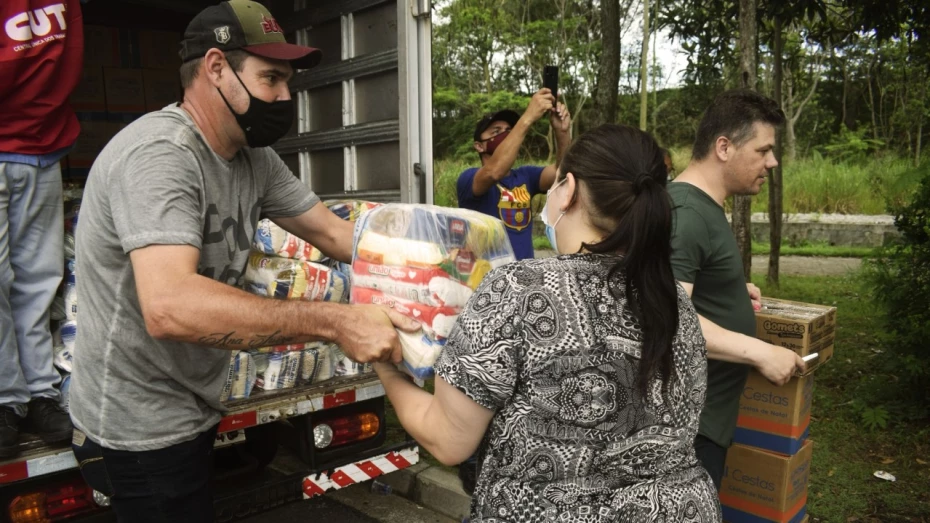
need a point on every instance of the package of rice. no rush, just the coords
(316, 364)
(277, 370)
(241, 377)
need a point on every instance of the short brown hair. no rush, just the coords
(732, 114)
(189, 69)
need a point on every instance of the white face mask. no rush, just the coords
(550, 229)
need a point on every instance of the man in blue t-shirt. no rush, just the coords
(499, 190)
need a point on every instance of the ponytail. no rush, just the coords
(641, 209)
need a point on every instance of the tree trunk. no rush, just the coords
(742, 205)
(604, 108)
(655, 71)
(644, 70)
(775, 187)
(920, 132)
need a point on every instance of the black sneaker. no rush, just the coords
(9, 432)
(48, 420)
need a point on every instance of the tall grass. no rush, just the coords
(812, 185)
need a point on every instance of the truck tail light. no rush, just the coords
(347, 429)
(52, 504)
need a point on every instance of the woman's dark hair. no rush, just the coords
(623, 173)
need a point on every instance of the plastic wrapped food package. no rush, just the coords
(277, 370)
(425, 262)
(63, 344)
(316, 364)
(344, 366)
(272, 240)
(294, 279)
(241, 377)
(350, 210)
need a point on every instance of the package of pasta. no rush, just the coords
(272, 240)
(294, 279)
(241, 377)
(437, 321)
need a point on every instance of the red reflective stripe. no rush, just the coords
(14, 472)
(311, 489)
(239, 421)
(342, 479)
(342, 398)
(397, 460)
(370, 468)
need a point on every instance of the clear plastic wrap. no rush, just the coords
(241, 377)
(277, 370)
(425, 262)
(274, 241)
(294, 279)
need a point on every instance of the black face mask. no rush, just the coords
(263, 123)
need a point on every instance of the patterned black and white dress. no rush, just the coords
(546, 345)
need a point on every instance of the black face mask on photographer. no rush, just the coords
(263, 123)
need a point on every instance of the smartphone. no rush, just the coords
(551, 81)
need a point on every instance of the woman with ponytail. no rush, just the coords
(583, 374)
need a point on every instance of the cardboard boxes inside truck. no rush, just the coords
(127, 73)
(759, 485)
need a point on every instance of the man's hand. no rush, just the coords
(560, 119)
(541, 103)
(368, 333)
(781, 365)
(755, 296)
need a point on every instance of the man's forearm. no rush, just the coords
(726, 345)
(213, 314)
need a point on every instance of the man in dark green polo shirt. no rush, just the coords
(732, 155)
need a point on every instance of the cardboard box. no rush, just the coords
(125, 90)
(161, 88)
(802, 327)
(101, 46)
(774, 418)
(93, 138)
(160, 50)
(90, 93)
(760, 486)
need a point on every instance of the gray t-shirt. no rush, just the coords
(158, 182)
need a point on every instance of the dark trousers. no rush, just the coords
(713, 457)
(173, 484)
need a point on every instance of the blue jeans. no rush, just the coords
(169, 485)
(31, 268)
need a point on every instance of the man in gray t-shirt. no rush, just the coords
(168, 214)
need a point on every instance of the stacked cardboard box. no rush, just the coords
(126, 74)
(769, 464)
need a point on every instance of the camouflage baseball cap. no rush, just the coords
(246, 25)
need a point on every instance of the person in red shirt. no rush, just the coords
(41, 56)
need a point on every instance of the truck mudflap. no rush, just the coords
(360, 471)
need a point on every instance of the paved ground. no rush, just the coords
(807, 265)
(356, 504)
(790, 265)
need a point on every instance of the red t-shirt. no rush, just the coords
(41, 56)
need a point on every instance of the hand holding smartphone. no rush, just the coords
(551, 81)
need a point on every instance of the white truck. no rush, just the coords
(363, 131)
